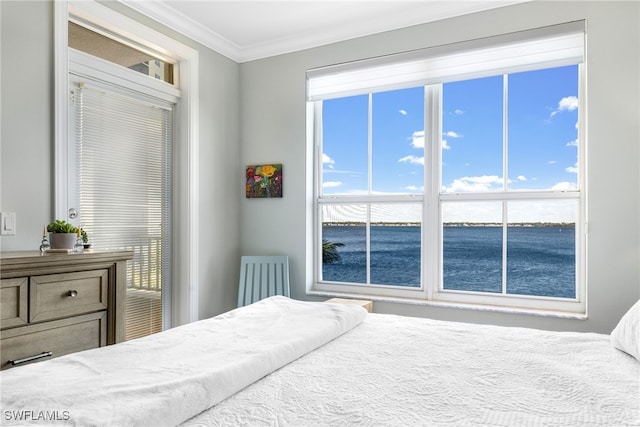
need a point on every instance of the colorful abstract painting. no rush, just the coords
(264, 181)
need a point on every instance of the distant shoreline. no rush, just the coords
(452, 224)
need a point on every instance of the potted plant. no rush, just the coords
(63, 235)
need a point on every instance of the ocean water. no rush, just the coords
(540, 260)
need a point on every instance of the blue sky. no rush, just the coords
(542, 135)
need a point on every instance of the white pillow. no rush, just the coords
(626, 335)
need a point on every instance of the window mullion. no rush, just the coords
(369, 185)
(505, 132)
(368, 244)
(432, 236)
(370, 146)
(317, 137)
(505, 230)
(505, 177)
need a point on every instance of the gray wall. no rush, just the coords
(273, 130)
(27, 145)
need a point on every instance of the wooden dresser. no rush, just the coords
(55, 304)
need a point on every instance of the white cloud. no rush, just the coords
(568, 103)
(413, 188)
(326, 160)
(414, 160)
(452, 134)
(573, 143)
(403, 112)
(331, 184)
(458, 112)
(572, 169)
(552, 162)
(521, 178)
(417, 139)
(469, 184)
(563, 186)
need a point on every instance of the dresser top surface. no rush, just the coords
(17, 258)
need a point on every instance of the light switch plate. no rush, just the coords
(8, 223)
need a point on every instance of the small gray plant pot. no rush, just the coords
(62, 240)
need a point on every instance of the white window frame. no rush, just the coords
(182, 307)
(431, 275)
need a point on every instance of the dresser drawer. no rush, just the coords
(13, 302)
(60, 295)
(58, 337)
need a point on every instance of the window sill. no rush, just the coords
(454, 305)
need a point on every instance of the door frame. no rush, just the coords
(182, 305)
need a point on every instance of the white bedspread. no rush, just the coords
(398, 371)
(167, 378)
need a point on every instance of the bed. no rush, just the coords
(281, 362)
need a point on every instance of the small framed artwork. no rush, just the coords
(264, 181)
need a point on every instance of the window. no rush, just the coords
(107, 48)
(454, 174)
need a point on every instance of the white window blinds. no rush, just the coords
(547, 47)
(123, 157)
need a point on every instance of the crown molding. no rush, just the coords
(167, 15)
(177, 21)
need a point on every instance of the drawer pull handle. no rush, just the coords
(72, 294)
(31, 358)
